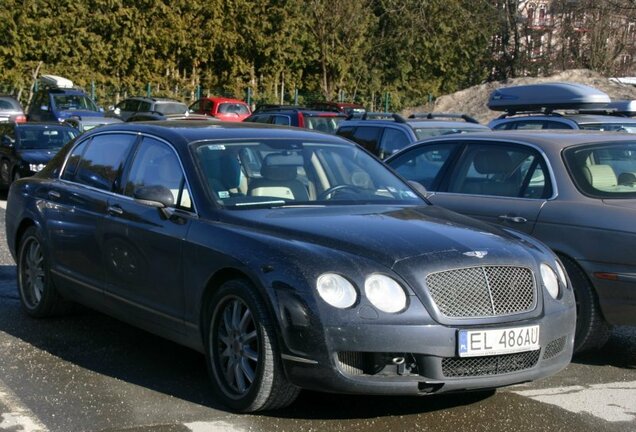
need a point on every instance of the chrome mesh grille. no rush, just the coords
(489, 365)
(475, 292)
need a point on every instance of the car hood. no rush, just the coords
(79, 113)
(388, 235)
(38, 155)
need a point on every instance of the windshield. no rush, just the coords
(423, 133)
(605, 170)
(287, 172)
(74, 102)
(171, 108)
(610, 127)
(48, 137)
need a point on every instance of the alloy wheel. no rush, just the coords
(237, 345)
(32, 273)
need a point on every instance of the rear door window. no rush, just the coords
(392, 141)
(367, 137)
(101, 162)
(501, 170)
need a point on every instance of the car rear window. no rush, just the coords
(233, 108)
(171, 108)
(7, 104)
(605, 170)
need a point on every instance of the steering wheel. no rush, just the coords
(330, 192)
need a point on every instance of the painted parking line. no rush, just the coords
(15, 416)
(612, 402)
(215, 426)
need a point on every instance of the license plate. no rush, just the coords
(473, 343)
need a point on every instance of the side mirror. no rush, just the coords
(419, 188)
(7, 141)
(154, 196)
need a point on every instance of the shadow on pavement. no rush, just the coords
(109, 347)
(620, 350)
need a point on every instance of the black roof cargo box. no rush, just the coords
(547, 97)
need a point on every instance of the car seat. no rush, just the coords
(279, 178)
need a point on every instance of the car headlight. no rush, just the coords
(385, 293)
(36, 167)
(336, 290)
(562, 274)
(550, 280)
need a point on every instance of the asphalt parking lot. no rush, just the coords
(88, 372)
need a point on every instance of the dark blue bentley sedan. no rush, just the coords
(292, 259)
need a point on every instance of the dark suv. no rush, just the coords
(59, 104)
(323, 121)
(144, 105)
(385, 133)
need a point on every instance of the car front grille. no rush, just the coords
(489, 365)
(487, 291)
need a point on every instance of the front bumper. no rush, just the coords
(355, 354)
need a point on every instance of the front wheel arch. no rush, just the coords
(597, 332)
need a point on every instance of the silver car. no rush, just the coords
(574, 190)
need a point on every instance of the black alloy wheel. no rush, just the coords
(38, 295)
(242, 353)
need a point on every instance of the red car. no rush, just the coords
(225, 109)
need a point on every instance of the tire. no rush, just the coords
(242, 353)
(5, 174)
(592, 331)
(38, 296)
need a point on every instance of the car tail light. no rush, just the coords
(20, 118)
(301, 120)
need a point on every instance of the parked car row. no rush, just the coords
(297, 259)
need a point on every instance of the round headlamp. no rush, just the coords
(385, 293)
(336, 290)
(550, 280)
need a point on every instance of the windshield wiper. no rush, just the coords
(260, 203)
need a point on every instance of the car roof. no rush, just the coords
(576, 117)
(152, 99)
(557, 138)
(414, 123)
(72, 91)
(221, 99)
(195, 131)
(42, 124)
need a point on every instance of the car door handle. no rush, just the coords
(54, 194)
(115, 210)
(514, 219)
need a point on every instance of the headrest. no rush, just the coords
(223, 167)
(493, 162)
(281, 167)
